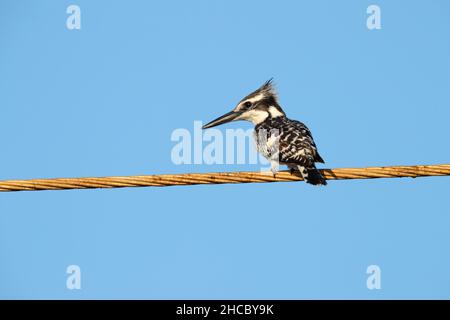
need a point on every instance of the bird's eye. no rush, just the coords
(248, 104)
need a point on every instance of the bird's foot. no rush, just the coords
(274, 168)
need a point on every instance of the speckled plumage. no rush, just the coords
(290, 143)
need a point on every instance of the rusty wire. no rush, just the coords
(219, 178)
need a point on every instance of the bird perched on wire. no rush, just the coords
(280, 139)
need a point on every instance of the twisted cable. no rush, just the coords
(164, 180)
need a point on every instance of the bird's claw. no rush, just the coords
(274, 172)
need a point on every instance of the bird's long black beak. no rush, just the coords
(228, 117)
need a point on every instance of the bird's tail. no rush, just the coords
(312, 175)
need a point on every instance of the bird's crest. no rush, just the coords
(267, 90)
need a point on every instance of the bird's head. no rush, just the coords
(256, 107)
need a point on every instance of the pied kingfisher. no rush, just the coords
(279, 139)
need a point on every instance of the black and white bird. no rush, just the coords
(280, 139)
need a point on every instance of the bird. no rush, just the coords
(279, 139)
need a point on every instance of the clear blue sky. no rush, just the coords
(105, 99)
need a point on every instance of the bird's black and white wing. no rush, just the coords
(299, 152)
(296, 145)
